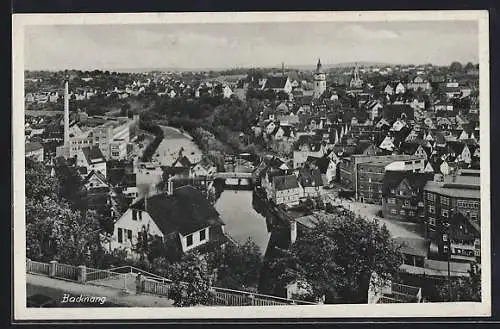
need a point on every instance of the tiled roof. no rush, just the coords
(285, 182)
(185, 211)
(93, 154)
(30, 147)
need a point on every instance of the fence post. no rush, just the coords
(252, 299)
(52, 268)
(28, 265)
(82, 273)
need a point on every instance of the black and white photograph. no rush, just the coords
(235, 165)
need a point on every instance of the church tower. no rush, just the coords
(319, 80)
(356, 81)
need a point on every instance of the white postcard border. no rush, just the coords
(21, 312)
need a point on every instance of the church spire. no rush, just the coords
(318, 66)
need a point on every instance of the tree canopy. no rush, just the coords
(338, 256)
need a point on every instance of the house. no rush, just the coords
(459, 151)
(204, 168)
(185, 218)
(97, 194)
(413, 149)
(92, 159)
(285, 190)
(443, 106)
(400, 88)
(373, 108)
(284, 132)
(387, 143)
(402, 194)
(419, 83)
(311, 182)
(389, 90)
(227, 92)
(327, 166)
(277, 84)
(34, 150)
(392, 112)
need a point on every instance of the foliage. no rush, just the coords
(462, 289)
(158, 132)
(55, 229)
(237, 266)
(191, 281)
(338, 256)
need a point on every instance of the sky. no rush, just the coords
(226, 45)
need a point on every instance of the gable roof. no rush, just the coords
(93, 154)
(276, 82)
(185, 211)
(310, 177)
(30, 147)
(392, 179)
(285, 182)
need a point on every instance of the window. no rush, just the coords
(402, 212)
(391, 201)
(140, 215)
(393, 211)
(189, 240)
(134, 214)
(411, 213)
(432, 221)
(431, 197)
(445, 237)
(432, 210)
(445, 201)
(120, 235)
(407, 203)
(458, 251)
(444, 213)
(129, 234)
(445, 249)
(202, 235)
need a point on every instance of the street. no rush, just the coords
(368, 211)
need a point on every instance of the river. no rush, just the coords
(242, 221)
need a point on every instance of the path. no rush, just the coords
(54, 288)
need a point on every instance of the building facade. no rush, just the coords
(453, 216)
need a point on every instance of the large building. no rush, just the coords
(453, 213)
(111, 134)
(363, 174)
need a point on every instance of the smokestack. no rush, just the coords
(283, 68)
(66, 112)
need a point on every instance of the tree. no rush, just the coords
(456, 67)
(191, 281)
(338, 256)
(462, 289)
(237, 266)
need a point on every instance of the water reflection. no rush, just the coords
(242, 221)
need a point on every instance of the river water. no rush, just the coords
(242, 221)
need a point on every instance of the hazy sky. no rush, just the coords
(224, 45)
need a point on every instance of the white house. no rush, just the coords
(400, 88)
(186, 218)
(285, 190)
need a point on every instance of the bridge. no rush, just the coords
(233, 174)
(235, 180)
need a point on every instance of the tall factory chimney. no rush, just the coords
(66, 112)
